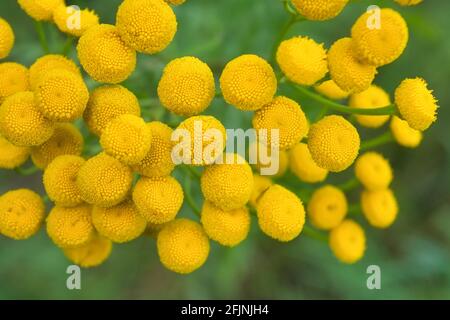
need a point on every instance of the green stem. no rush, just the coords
(314, 234)
(187, 195)
(42, 37)
(27, 171)
(376, 142)
(292, 20)
(193, 172)
(67, 46)
(354, 209)
(323, 112)
(349, 185)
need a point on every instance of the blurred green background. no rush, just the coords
(414, 255)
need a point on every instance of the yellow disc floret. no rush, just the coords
(104, 181)
(373, 171)
(319, 9)
(348, 241)
(248, 82)
(92, 254)
(121, 223)
(60, 180)
(302, 60)
(270, 161)
(404, 134)
(40, 10)
(6, 38)
(13, 78)
(12, 156)
(183, 246)
(21, 123)
(148, 26)
(416, 103)
(104, 55)
(374, 97)
(303, 166)
(327, 207)
(127, 138)
(187, 86)
(379, 207)
(260, 185)
(21, 213)
(334, 143)
(331, 90)
(74, 21)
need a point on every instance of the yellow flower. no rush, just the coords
(183, 246)
(106, 103)
(61, 95)
(228, 185)
(408, 2)
(248, 82)
(62, 17)
(127, 138)
(334, 143)
(373, 171)
(381, 44)
(121, 223)
(104, 55)
(229, 228)
(148, 26)
(66, 139)
(40, 10)
(260, 185)
(60, 180)
(416, 103)
(263, 158)
(379, 207)
(281, 214)
(303, 166)
(104, 181)
(12, 156)
(331, 90)
(158, 161)
(21, 123)
(200, 141)
(13, 78)
(187, 86)
(319, 9)
(348, 241)
(21, 213)
(158, 199)
(349, 73)
(404, 134)
(92, 254)
(285, 115)
(327, 207)
(373, 97)
(175, 2)
(42, 66)
(302, 60)
(6, 38)
(70, 227)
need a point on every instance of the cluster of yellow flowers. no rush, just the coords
(126, 189)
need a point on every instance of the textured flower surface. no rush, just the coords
(331, 90)
(373, 171)
(260, 185)
(6, 38)
(327, 207)
(62, 16)
(379, 207)
(92, 254)
(303, 166)
(404, 134)
(40, 10)
(348, 241)
(319, 9)
(14, 78)
(12, 156)
(373, 97)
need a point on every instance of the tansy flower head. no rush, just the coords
(66, 139)
(6, 38)
(228, 185)
(373, 97)
(334, 143)
(104, 181)
(108, 102)
(21, 213)
(327, 207)
(21, 123)
(285, 115)
(127, 138)
(187, 86)
(379, 207)
(42, 66)
(60, 180)
(248, 82)
(40, 9)
(12, 156)
(302, 60)
(416, 103)
(373, 171)
(331, 90)
(348, 241)
(264, 158)
(121, 223)
(229, 228)
(319, 9)
(70, 227)
(183, 246)
(404, 134)
(61, 95)
(148, 26)
(13, 78)
(303, 166)
(381, 44)
(104, 55)
(158, 161)
(408, 2)
(92, 254)
(158, 199)
(62, 15)
(349, 73)
(260, 185)
(281, 214)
